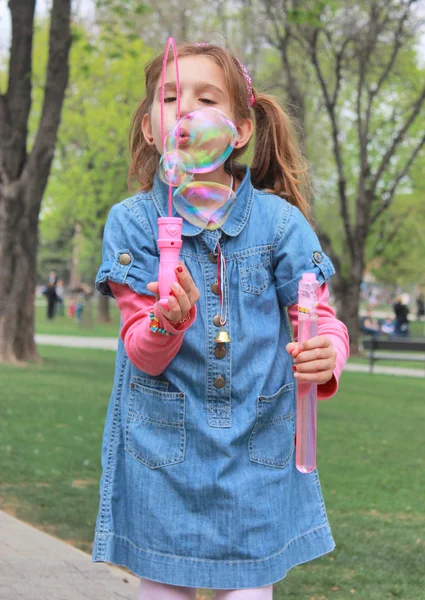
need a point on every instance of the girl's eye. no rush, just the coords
(170, 99)
(207, 101)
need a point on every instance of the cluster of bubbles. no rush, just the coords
(200, 142)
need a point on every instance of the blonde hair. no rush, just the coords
(278, 165)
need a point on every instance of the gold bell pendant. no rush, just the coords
(222, 337)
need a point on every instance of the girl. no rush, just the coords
(199, 486)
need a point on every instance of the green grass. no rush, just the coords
(404, 364)
(50, 434)
(371, 458)
(66, 326)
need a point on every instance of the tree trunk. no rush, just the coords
(347, 297)
(17, 275)
(103, 314)
(23, 176)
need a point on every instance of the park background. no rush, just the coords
(352, 75)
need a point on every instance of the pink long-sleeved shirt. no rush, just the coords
(152, 352)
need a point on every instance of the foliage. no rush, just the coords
(91, 160)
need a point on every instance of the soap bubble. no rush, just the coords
(204, 203)
(172, 167)
(205, 135)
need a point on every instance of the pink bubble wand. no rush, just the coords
(169, 228)
(306, 428)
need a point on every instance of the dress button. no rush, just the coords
(216, 321)
(124, 259)
(214, 288)
(212, 258)
(219, 382)
(220, 351)
(318, 257)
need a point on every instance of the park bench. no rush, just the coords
(414, 346)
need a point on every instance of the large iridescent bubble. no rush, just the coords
(206, 135)
(204, 203)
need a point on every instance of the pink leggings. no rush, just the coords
(152, 590)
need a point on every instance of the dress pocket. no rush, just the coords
(254, 274)
(155, 429)
(272, 440)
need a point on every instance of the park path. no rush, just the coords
(102, 343)
(38, 566)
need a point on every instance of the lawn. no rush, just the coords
(88, 326)
(371, 458)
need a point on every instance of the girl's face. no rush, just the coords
(202, 84)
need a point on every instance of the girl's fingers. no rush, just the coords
(316, 354)
(294, 349)
(154, 288)
(187, 283)
(175, 313)
(313, 366)
(320, 341)
(181, 297)
(319, 378)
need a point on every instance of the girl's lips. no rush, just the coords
(183, 137)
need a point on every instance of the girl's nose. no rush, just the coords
(186, 106)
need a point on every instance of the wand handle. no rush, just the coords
(169, 243)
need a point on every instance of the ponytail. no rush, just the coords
(278, 165)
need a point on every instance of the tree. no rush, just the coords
(89, 172)
(359, 53)
(24, 171)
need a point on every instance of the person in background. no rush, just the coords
(52, 298)
(420, 307)
(60, 292)
(52, 277)
(71, 309)
(79, 309)
(388, 326)
(370, 324)
(401, 321)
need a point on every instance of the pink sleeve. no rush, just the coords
(148, 351)
(332, 328)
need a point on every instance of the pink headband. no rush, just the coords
(248, 80)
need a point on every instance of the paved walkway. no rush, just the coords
(77, 341)
(38, 566)
(73, 341)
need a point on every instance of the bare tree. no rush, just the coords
(23, 174)
(354, 51)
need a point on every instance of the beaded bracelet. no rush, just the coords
(154, 325)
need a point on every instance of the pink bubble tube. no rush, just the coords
(306, 432)
(169, 228)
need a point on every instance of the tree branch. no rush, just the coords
(56, 81)
(396, 141)
(390, 194)
(17, 100)
(330, 106)
(397, 44)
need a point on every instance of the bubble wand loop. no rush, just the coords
(169, 228)
(306, 431)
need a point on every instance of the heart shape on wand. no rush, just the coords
(172, 230)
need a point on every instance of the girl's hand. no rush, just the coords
(314, 359)
(183, 295)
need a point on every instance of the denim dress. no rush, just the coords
(199, 486)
